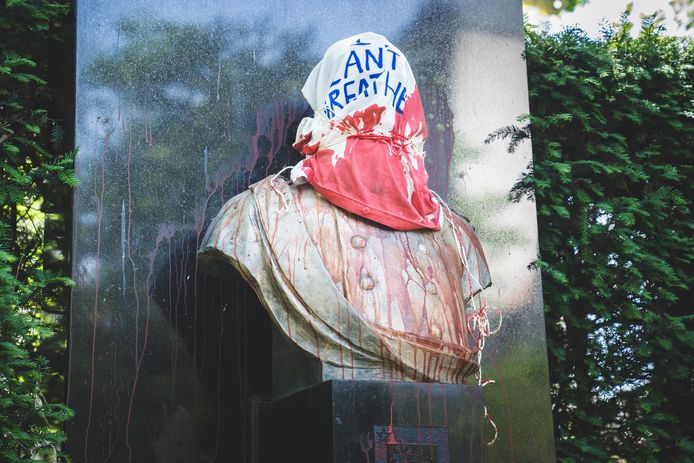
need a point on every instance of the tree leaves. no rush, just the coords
(30, 425)
(611, 125)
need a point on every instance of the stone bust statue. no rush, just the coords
(356, 261)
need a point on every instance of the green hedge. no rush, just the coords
(30, 167)
(612, 133)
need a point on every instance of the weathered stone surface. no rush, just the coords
(365, 300)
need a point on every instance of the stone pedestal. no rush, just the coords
(373, 421)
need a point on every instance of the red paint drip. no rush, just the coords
(390, 437)
(164, 233)
(219, 376)
(445, 405)
(135, 291)
(427, 387)
(410, 122)
(100, 209)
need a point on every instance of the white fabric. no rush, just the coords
(356, 73)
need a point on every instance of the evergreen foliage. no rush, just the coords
(30, 417)
(612, 132)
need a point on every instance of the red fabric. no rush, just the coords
(371, 179)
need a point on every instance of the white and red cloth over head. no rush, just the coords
(364, 145)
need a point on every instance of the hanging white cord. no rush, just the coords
(272, 183)
(478, 321)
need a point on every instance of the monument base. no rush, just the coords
(342, 421)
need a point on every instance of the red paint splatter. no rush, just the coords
(410, 122)
(362, 121)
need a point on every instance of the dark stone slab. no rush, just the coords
(374, 422)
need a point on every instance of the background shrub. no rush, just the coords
(34, 178)
(612, 133)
